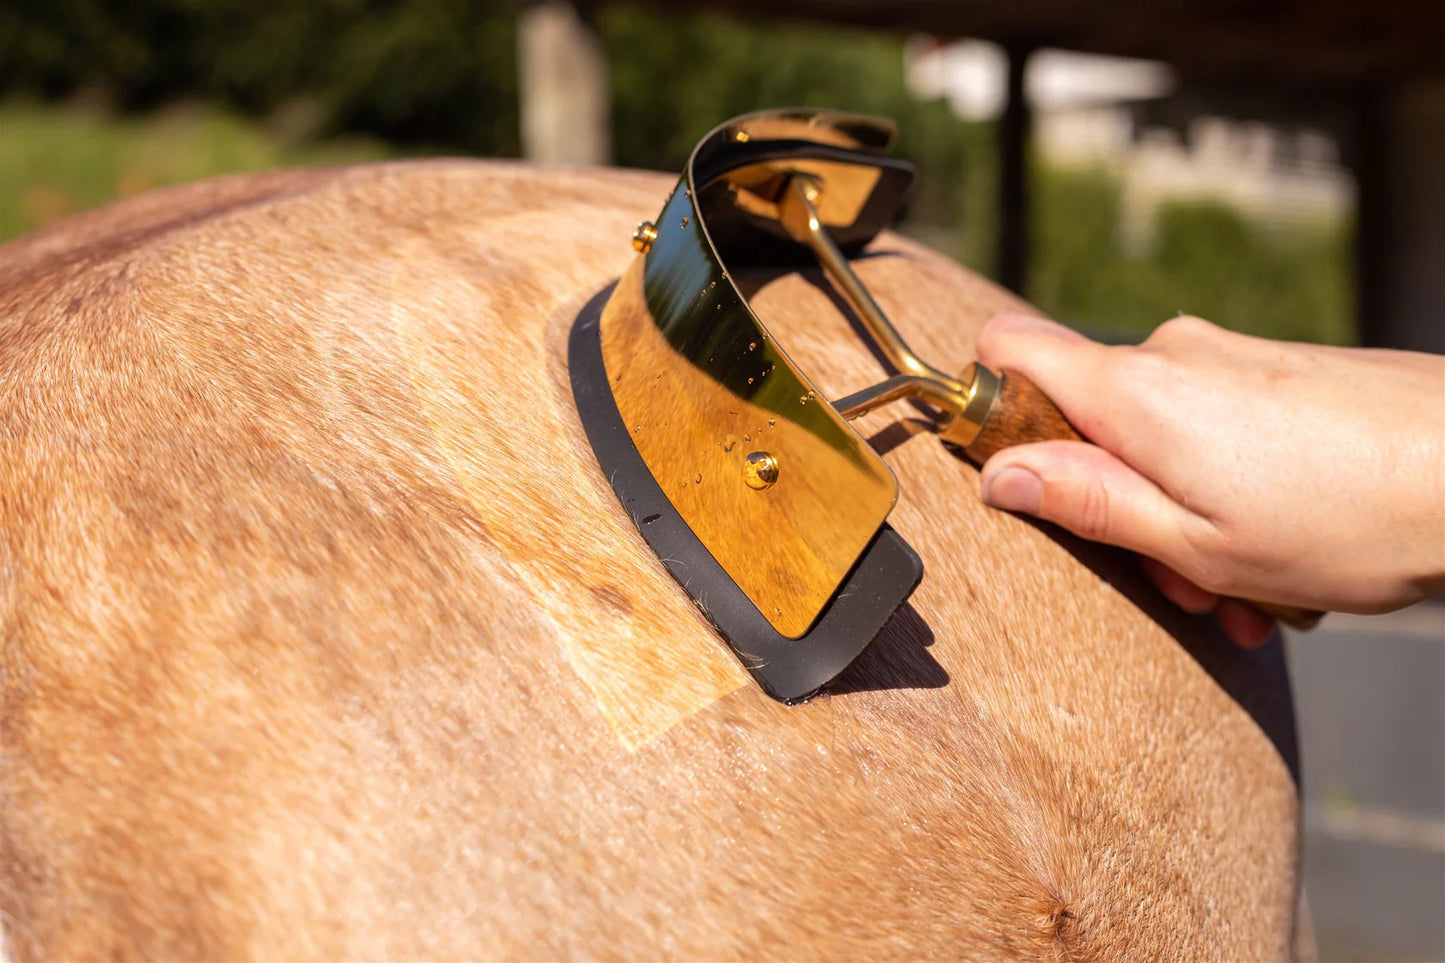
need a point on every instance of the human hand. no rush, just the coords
(1289, 473)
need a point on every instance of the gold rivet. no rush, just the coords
(760, 470)
(643, 237)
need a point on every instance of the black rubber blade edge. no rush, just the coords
(787, 669)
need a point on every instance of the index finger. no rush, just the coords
(1068, 367)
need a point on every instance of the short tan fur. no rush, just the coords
(321, 634)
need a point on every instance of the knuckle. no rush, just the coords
(992, 338)
(1092, 511)
(1184, 329)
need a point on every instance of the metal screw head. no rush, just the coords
(760, 470)
(643, 237)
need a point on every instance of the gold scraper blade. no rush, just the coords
(782, 491)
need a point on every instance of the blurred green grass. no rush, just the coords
(57, 160)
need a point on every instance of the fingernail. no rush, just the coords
(1015, 490)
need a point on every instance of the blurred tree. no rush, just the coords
(1204, 258)
(435, 72)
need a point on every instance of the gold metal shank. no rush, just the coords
(966, 401)
(800, 217)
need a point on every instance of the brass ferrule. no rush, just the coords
(983, 389)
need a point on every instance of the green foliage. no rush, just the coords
(439, 72)
(1198, 257)
(55, 162)
(675, 76)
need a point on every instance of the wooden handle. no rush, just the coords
(1021, 415)
(1025, 414)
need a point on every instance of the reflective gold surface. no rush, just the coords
(702, 386)
(768, 475)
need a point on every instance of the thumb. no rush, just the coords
(1088, 491)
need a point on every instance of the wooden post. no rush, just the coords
(1371, 213)
(1013, 182)
(1400, 236)
(566, 101)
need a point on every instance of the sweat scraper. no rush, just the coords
(754, 490)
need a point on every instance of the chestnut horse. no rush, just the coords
(324, 635)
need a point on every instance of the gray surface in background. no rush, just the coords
(1373, 902)
(1370, 699)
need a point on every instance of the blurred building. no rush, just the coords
(1086, 110)
(1367, 74)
